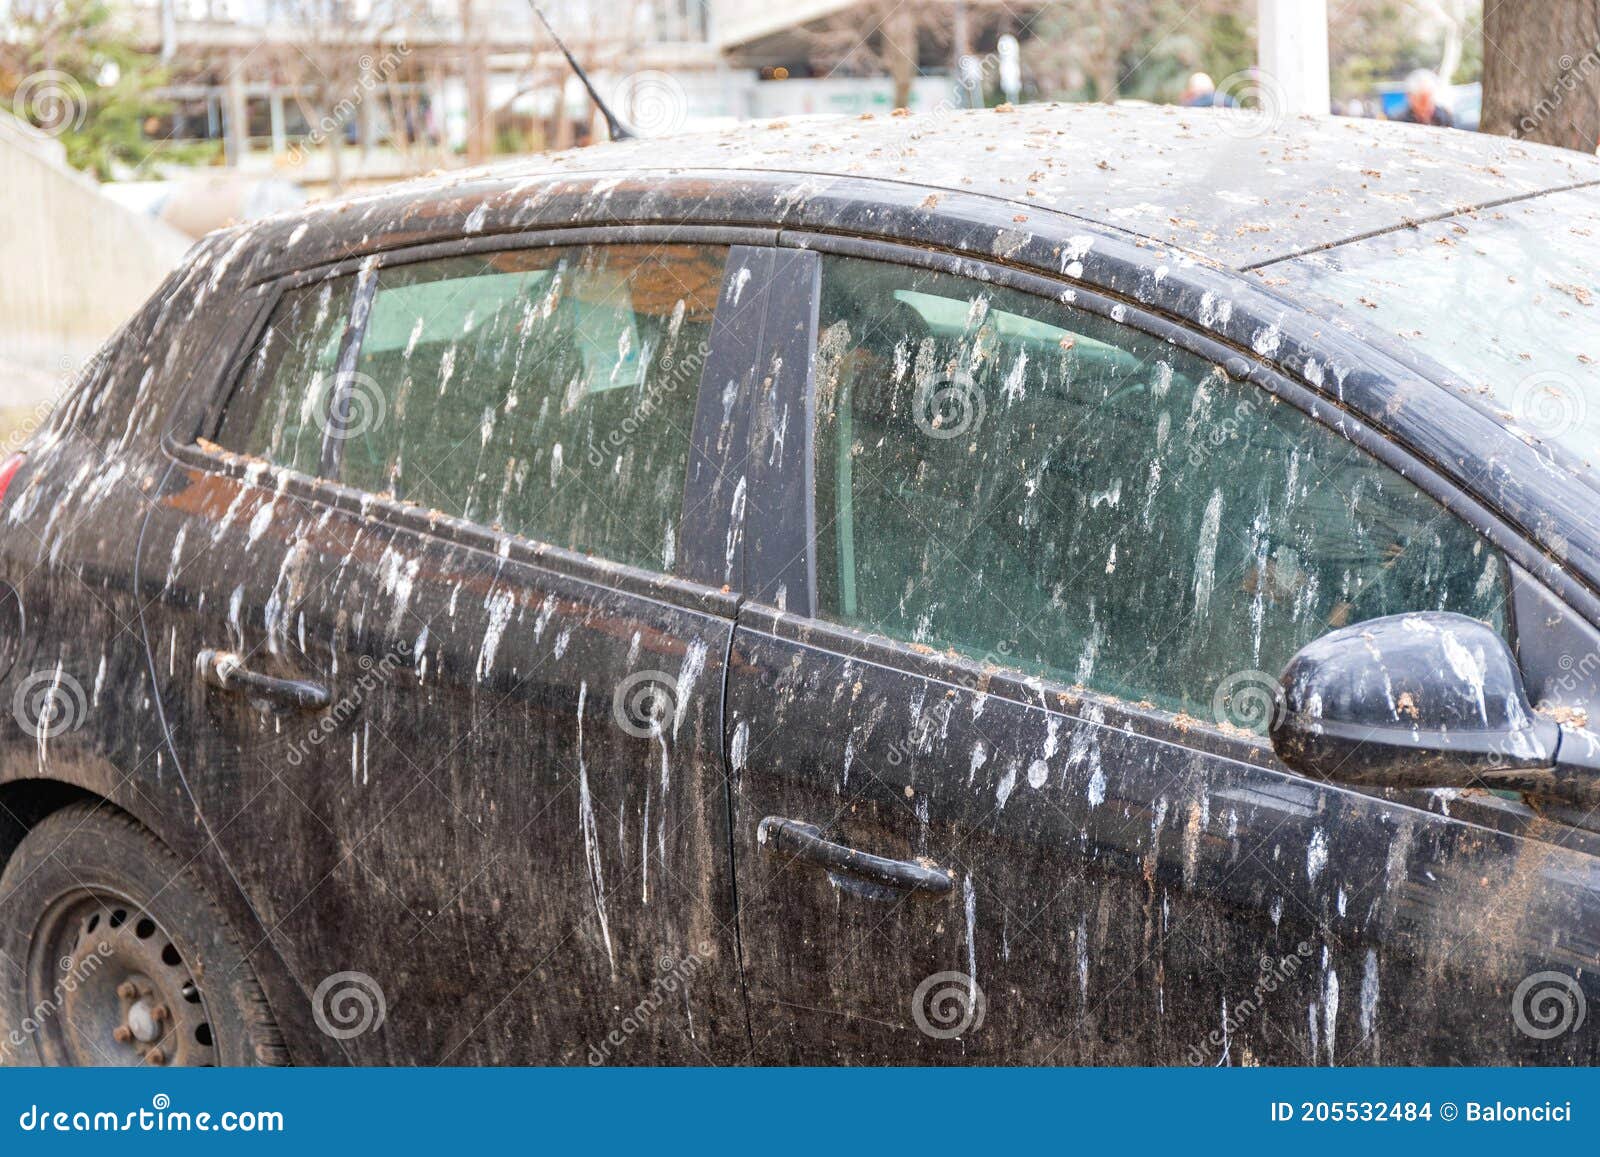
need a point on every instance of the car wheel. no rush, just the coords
(118, 956)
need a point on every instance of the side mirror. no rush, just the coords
(1425, 700)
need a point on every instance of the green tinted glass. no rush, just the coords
(279, 411)
(1025, 483)
(546, 392)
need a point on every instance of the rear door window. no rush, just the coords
(1028, 484)
(545, 392)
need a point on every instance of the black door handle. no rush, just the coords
(226, 670)
(805, 842)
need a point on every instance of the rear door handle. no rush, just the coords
(226, 670)
(805, 842)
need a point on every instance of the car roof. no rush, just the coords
(1237, 188)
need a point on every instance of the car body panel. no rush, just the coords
(1418, 921)
(1121, 897)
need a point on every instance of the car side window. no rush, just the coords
(280, 407)
(1028, 484)
(546, 392)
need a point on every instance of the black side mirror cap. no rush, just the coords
(1424, 700)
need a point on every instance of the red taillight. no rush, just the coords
(8, 471)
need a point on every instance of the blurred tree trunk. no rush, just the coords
(901, 53)
(1541, 71)
(480, 133)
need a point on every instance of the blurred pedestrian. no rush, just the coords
(1201, 92)
(1422, 101)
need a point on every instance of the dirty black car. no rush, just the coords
(1064, 585)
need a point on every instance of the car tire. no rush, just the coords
(117, 956)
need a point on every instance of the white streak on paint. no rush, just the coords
(1369, 993)
(591, 838)
(1008, 781)
(1083, 961)
(259, 523)
(1205, 554)
(1330, 1011)
(1316, 855)
(694, 664)
(970, 896)
(499, 605)
(542, 620)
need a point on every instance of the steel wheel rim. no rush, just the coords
(106, 985)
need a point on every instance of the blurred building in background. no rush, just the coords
(334, 92)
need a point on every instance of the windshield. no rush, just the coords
(1503, 298)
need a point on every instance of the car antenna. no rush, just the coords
(618, 130)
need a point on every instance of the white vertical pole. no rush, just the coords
(1293, 53)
